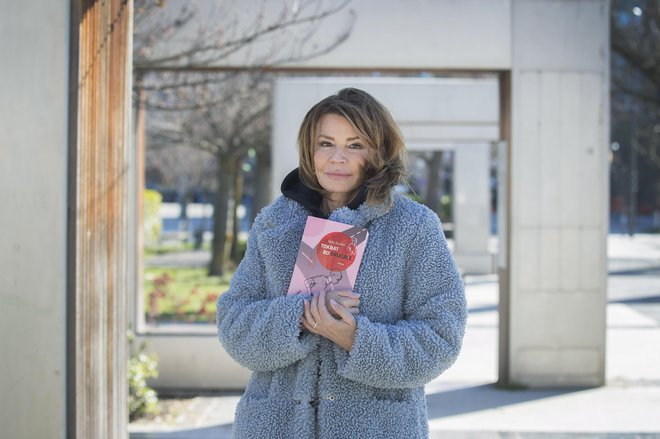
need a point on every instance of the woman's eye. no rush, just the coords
(325, 144)
(356, 146)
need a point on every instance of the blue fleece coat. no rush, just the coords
(409, 329)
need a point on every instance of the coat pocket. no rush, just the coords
(272, 418)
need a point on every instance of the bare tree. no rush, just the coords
(434, 179)
(635, 39)
(635, 75)
(183, 67)
(185, 168)
(225, 132)
(228, 132)
(253, 35)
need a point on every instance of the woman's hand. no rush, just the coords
(347, 299)
(318, 319)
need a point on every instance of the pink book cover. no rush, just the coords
(329, 257)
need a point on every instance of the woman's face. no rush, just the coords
(339, 158)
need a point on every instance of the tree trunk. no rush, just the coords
(221, 205)
(262, 191)
(238, 200)
(184, 196)
(433, 192)
(656, 204)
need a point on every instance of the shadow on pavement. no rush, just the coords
(632, 267)
(638, 300)
(483, 397)
(210, 432)
(484, 308)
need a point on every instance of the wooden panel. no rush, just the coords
(504, 228)
(98, 217)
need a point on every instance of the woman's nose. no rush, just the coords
(338, 156)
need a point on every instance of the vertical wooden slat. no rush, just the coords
(503, 270)
(140, 153)
(98, 189)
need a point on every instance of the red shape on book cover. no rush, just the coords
(329, 257)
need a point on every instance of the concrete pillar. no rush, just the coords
(471, 205)
(555, 317)
(33, 224)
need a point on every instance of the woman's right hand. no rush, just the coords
(347, 299)
(318, 320)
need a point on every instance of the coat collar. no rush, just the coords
(362, 216)
(358, 212)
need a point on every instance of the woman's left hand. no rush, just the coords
(317, 319)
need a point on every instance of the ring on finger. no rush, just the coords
(315, 325)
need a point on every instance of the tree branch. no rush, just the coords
(225, 49)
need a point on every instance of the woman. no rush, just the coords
(344, 364)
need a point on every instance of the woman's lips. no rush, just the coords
(337, 175)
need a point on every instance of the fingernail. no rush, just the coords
(333, 301)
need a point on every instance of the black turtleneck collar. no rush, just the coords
(294, 188)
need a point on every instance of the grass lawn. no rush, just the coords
(164, 249)
(182, 295)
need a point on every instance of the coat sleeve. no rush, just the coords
(261, 333)
(413, 351)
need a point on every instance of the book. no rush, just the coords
(329, 257)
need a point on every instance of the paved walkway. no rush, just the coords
(464, 402)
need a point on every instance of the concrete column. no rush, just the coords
(472, 208)
(558, 216)
(33, 224)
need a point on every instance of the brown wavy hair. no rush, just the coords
(374, 124)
